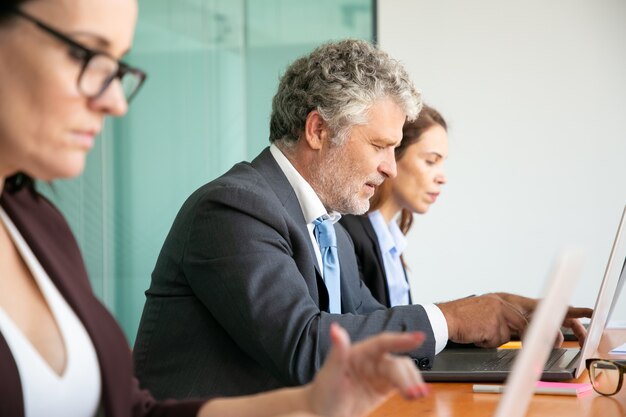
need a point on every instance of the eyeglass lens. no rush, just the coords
(130, 83)
(98, 74)
(605, 377)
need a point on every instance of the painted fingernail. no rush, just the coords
(413, 392)
(419, 391)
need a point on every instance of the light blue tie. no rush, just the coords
(327, 240)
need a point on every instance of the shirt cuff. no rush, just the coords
(439, 324)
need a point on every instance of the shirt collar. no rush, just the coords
(389, 234)
(312, 207)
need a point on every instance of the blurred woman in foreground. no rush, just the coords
(61, 352)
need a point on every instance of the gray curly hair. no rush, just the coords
(341, 80)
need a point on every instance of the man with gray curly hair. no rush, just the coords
(341, 90)
(242, 296)
(255, 270)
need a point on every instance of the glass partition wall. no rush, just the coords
(213, 67)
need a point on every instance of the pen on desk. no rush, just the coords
(547, 388)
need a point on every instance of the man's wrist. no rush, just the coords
(439, 325)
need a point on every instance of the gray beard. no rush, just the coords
(332, 183)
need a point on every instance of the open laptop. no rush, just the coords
(476, 364)
(547, 320)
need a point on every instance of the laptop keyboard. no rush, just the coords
(504, 357)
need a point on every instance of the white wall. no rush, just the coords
(535, 96)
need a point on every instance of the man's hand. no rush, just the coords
(487, 320)
(571, 321)
(355, 379)
(490, 320)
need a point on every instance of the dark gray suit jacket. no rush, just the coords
(237, 304)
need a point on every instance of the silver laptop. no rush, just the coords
(476, 364)
(547, 319)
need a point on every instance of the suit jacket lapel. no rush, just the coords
(267, 166)
(371, 234)
(349, 274)
(12, 403)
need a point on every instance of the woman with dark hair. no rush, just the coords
(61, 352)
(379, 239)
(379, 236)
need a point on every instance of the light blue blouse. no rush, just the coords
(392, 243)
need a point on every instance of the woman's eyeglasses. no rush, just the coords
(606, 376)
(99, 69)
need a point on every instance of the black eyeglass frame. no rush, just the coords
(621, 367)
(122, 67)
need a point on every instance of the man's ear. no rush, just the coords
(316, 131)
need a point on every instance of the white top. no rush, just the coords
(392, 242)
(77, 392)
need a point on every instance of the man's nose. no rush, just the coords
(387, 166)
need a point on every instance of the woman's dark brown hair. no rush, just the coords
(411, 133)
(6, 8)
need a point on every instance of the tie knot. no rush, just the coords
(325, 232)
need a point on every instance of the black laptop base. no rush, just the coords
(494, 365)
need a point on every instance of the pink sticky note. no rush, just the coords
(563, 387)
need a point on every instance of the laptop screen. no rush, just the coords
(618, 291)
(607, 296)
(546, 320)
